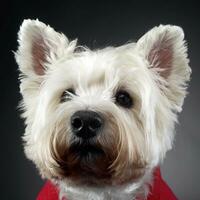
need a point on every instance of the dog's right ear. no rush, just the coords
(39, 46)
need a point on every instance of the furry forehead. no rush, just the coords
(107, 69)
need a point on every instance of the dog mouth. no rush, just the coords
(87, 162)
(86, 150)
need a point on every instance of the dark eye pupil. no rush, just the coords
(66, 95)
(124, 99)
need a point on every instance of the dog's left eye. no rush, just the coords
(67, 95)
(124, 99)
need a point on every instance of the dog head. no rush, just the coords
(100, 116)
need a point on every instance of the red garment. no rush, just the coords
(159, 191)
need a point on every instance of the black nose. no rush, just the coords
(86, 124)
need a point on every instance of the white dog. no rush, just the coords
(98, 122)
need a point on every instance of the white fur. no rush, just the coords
(147, 129)
(126, 192)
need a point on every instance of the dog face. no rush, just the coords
(104, 116)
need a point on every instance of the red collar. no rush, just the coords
(159, 190)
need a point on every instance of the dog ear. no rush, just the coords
(39, 46)
(165, 51)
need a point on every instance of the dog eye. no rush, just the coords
(124, 99)
(67, 95)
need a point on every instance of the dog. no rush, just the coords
(98, 122)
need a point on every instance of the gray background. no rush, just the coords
(97, 24)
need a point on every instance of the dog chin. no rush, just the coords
(87, 163)
(86, 151)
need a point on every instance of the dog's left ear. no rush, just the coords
(165, 51)
(39, 46)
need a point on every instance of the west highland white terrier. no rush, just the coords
(98, 122)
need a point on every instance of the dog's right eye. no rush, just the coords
(67, 95)
(124, 99)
